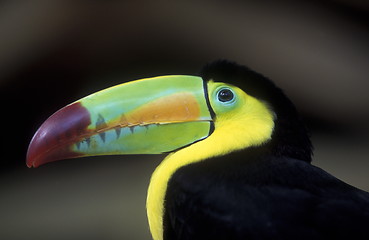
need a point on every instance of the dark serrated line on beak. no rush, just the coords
(88, 141)
(102, 136)
(118, 130)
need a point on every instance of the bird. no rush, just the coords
(238, 163)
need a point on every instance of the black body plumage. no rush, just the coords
(266, 192)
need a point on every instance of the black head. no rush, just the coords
(290, 136)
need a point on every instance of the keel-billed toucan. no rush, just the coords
(239, 156)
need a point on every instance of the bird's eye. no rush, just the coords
(225, 95)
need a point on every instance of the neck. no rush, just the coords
(229, 136)
(159, 182)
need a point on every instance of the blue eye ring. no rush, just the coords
(225, 95)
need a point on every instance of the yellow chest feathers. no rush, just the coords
(250, 123)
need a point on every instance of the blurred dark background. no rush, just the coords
(55, 52)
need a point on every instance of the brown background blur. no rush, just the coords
(55, 52)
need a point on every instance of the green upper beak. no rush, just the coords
(146, 116)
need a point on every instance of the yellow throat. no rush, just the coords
(250, 124)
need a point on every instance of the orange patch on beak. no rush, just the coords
(179, 107)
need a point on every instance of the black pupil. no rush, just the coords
(225, 95)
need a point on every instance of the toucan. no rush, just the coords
(238, 163)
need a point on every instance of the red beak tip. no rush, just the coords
(52, 140)
(30, 163)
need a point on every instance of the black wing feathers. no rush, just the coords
(265, 199)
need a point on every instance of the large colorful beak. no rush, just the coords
(148, 116)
